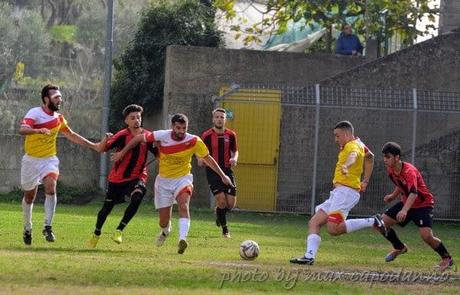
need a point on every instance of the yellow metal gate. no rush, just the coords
(255, 116)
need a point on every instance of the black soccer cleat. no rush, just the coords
(380, 225)
(303, 260)
(48, 233)
(27, 237)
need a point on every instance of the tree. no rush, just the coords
(376, 17)
(139, 76)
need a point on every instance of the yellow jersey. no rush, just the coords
(42, 145)
(353, 178)
(176, 155)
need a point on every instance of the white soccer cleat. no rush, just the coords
(161, 238)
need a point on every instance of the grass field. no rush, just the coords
(211, 264)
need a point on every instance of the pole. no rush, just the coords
(414, 124)
(107, 84)
(315, 152)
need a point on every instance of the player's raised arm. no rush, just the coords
(78, 139)
(133, 142)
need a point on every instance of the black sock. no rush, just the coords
(394, 240)
(221, 216)
(102, 216)
(131, 210)
(442, 251)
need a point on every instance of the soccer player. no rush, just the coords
(41, 126)
(222, 145)
(416, 204)
(353, 157)
(174, 183)
(128, 176)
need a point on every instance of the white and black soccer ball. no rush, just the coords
(249, 250)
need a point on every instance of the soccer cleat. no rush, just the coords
(303, 260)
(161, 238)
(445, 263)
(395, 253)
(182, 246)
(380, 225)
(93, 241)
(48, 233)
(27, 237)
(225, 232)
(118, 236)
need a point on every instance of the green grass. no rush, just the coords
(138, 267)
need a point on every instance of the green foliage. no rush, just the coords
(384, 17)
(140, 70)
(63, 33)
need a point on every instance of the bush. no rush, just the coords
(139, 74)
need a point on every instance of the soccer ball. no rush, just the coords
(249, 250)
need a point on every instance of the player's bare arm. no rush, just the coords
(211, 163)
(102, 145)
(391, 197)
(131, 144)
(234, 158)
(368, 168)
(401, 216)
(29, 130)
(78, 139)
(351, 159)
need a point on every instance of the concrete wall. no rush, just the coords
(195, 74)
(79, 167)
(449, 18)
(430, 65)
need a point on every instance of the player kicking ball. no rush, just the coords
(416, 205)
(354, 157)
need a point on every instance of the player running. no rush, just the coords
(174, 182)
(128, 176)
(416, 204)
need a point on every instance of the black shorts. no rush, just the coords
(116, 192)
(217, 186)
(422, 217)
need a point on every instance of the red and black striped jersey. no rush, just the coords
(410, 181)
(221, 145)
(133, 164)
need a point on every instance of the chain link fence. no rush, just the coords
(424, 123)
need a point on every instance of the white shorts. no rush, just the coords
(341, 200)
(33, 170)
(167, 189)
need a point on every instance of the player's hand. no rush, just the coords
(227, 181)
(233, 162)
(344, 170)
(401, 216)
(44, 131)
(115, 157)
(388, 198)
(108, 135)
(363, 186)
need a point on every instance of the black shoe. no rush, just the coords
(48, 233)
(225, 232)
(27, 237)
(380, 225)
(303, 260)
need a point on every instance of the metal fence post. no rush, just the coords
(414, 124)
(315, 151)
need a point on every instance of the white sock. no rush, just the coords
(313, 241)
(357, 224)
(27, 212)
(50, 208)
(166, 230)
(184, 225)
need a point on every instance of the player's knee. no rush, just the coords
(333, 229)
(427, 237)
(137, 196)
(106, 208)
(183, 207)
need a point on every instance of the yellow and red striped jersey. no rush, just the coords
(42, 145)
(176, 156)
